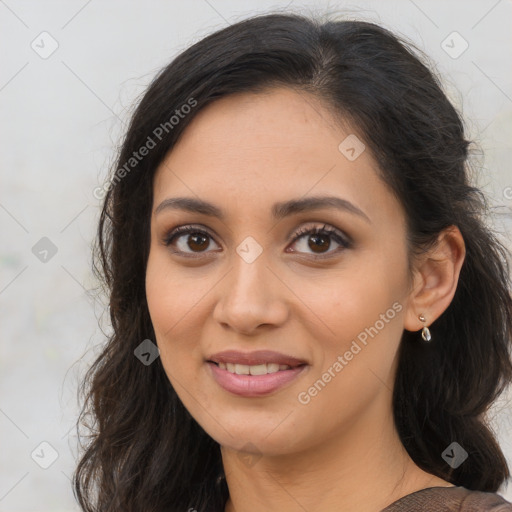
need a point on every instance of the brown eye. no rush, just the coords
(319, 240)
(197, 242)
(188, 240)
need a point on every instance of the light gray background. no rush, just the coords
(61, 118)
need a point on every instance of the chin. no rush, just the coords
(254, 434)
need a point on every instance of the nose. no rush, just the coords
(251, 296)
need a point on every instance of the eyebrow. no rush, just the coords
(279, 210)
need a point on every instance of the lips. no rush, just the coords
(257, 357)
(254, 374)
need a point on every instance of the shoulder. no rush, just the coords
(450, 499)
(485, 501)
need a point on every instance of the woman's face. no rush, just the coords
(257, 281)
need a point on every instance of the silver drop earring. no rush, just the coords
(425, 333)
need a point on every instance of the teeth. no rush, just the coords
(241, 369)
(273, 367)
(260, 369)
(257, 369)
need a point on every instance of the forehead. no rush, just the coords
(274, 120)
(248, 149)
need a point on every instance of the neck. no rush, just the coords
(363, 468)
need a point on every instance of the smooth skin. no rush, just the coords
(340, 451)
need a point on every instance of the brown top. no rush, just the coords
(450, 499)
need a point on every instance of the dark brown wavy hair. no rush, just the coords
(144, 451)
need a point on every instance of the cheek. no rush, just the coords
(171, 296)
(359, 312)
(170, 308)
(362, 322)
(178, 305)
(344, 303)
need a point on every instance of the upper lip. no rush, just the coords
(255, 358)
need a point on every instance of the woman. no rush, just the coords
(308, 310)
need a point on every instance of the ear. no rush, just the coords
(436, 275)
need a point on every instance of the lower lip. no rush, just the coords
(254, 385)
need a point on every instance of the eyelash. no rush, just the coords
(331, 232)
